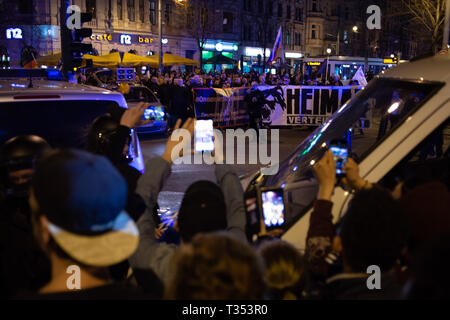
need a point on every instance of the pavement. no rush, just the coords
(184, 175)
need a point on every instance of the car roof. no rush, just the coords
(136, 85)
(21, 85)
(435, 68)
(10, 89)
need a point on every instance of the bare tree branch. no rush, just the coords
(428, 14)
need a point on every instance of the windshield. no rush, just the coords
(364, 122)
(138, 94)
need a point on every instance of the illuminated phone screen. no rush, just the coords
(153, 113)
(340, 157)
(204, 132)
(273, 208)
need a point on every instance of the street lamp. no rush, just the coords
(326, 70)
(160, 36)
(337, 41)
(355, 30)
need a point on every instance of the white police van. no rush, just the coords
(406, 112)
(58, 111)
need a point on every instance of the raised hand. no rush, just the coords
(325, 170)
(174, 140)
(352, 177)
(132, 117)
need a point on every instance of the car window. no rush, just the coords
(61, 123)
(140, 94)
(365, 121)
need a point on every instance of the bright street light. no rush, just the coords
(328, 50)
(355, 28)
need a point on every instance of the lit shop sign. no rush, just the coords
(254, 52)
(221, 46)
(13, 33)
(105, 37)
(390, 61)
(129, 39)
(314, 63)
(125, 39)
(163, 40)
(293, 55)
(145, 39)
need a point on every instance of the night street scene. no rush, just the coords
(221, 156)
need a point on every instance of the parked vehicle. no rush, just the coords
(58, 111)
(156, 112)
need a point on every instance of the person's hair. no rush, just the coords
(216, 266)
(98, 272)
(427, 210)
(429, 278)
(284, 269)
(373, 231)
(99, 135)
(202, 209)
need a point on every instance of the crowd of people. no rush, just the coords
(87, 210)
(236, 79)
(174, 89)
(224, 79)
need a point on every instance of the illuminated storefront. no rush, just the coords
(44, 38)
(216, 47)
(294, 59)
(253, 58)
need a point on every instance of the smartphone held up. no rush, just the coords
(272, 207)
(154, 113)
(339, 148)
(204, 133)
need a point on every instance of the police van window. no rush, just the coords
(61, 123)
(137, 94)
(365, 121)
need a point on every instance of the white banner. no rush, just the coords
(303, 105)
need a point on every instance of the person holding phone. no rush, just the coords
(372, 232)
(206, 207)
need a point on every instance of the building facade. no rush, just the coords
(242, 30)
(261, 20)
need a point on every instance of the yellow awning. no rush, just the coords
(132, 60)
(171, 60)
(111, 60)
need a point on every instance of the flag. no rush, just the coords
(359, 76)
(277, 51)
